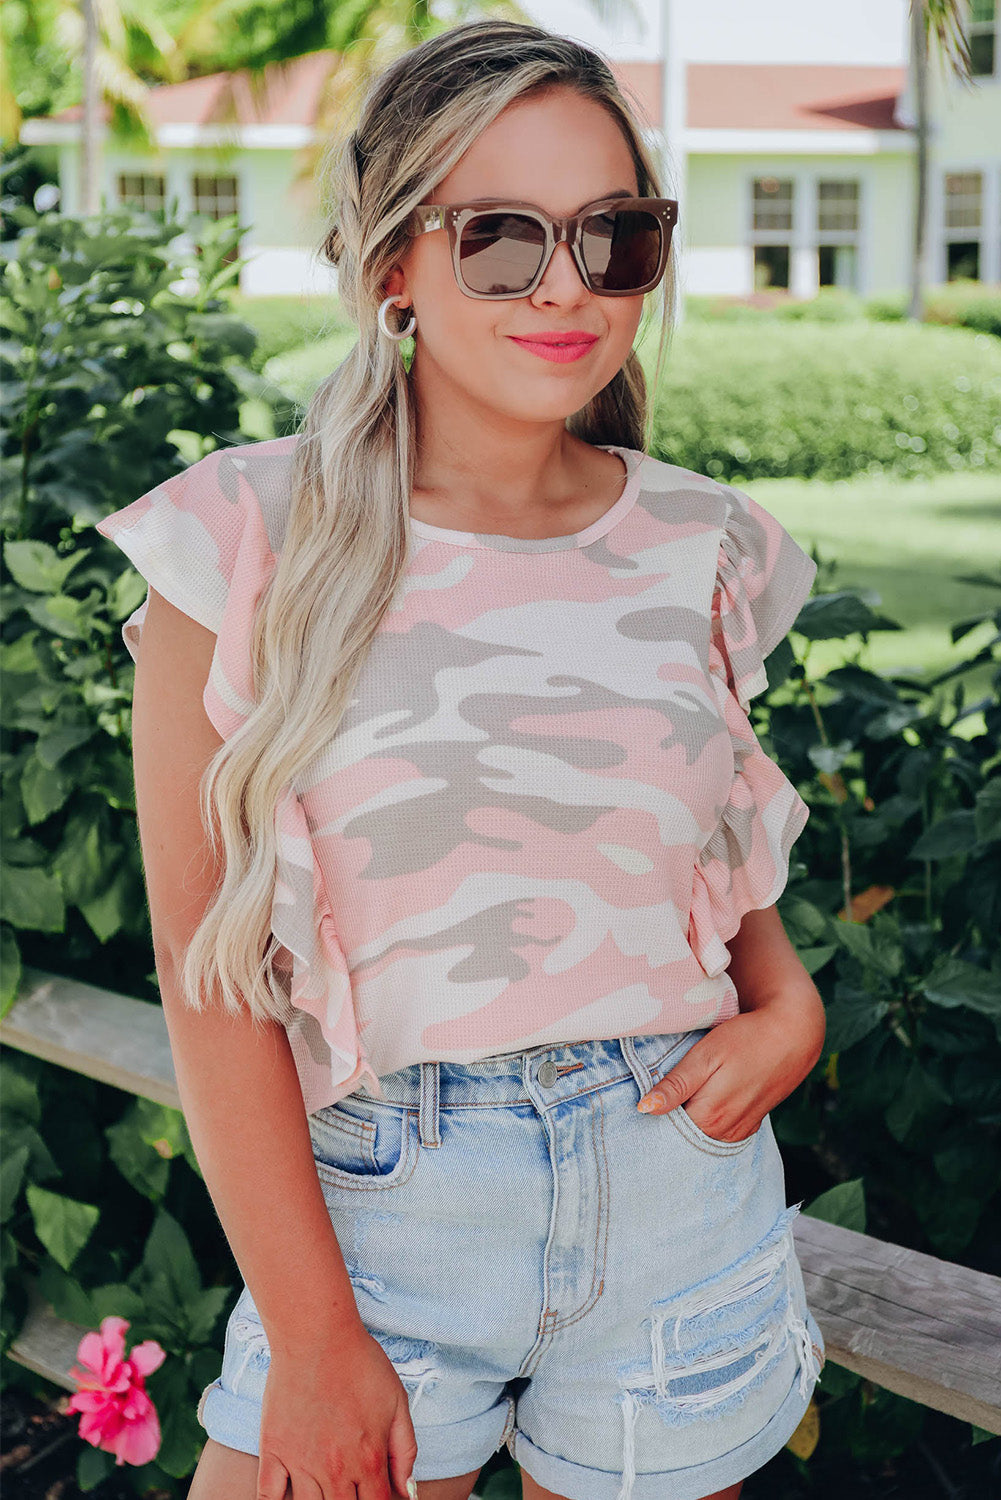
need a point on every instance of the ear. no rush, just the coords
(395, 285)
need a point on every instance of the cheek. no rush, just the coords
(458, 331)
(623, 317)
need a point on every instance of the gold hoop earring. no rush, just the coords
(396, 335)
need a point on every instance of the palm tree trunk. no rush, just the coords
(919, 76)
(89, 152)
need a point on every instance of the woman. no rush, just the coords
(440, 727)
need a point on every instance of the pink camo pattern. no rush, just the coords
(546, 812)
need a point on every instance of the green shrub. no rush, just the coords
(965, 304)
(830, 305)
(771, 400)
(121, 363)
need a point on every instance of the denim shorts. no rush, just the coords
(615, 1296)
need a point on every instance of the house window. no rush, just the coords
(772, 205)
(837, 233)
(146, 190)
(771, 231)
(963, 223)
(981, 33)
(216, 197)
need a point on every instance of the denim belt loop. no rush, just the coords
(428, 1113)
(636, 1065)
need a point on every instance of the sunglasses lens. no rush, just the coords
(500, 252)
(621, 249)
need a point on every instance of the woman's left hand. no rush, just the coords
(742, 1068)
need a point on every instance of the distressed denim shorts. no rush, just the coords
(614, 1296)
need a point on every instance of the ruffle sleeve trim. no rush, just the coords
(321, 1024)
(763, 579)
(744, 865)
(200, 540)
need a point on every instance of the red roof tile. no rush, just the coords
(721, 96)
(286, 94)
(289, 94)
(792, 96)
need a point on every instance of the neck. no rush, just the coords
(484, 458)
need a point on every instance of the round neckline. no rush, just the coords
(496, 541)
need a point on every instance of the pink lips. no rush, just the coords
(559, 348)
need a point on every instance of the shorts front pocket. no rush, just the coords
(680, 1117)
(364, 1145)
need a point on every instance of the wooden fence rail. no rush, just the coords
(922, 1327)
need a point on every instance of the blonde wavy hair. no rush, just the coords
(346, 543)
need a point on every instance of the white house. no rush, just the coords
(784, 129)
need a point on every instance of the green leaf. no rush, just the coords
(915, 1115)
(987, 812)
(144, 1142)
(65, 736)
(120, 1300)
(11, 1176)
(168, 1256)
(108, 912)
(138, 1164)
(18, 658)
(18, 1094)
(843, 1204)
(66, 1296)
(203, 1313)
(8, 1253)
(82, 862)
(851, 1016)
(41, 1164)
(37, 567)
(833, 616)
(32, 899)
(956, 833)
(953, 982)
(814, 959)
(10, 969)
(873, 943)
(64, 1225)
(181, 1435)
(44, 789)
(93, 1465)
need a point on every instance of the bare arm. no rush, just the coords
(238, 1084)
(768, 972)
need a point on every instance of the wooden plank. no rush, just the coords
(45, 1343)
(916, 1325)
(111, 1037)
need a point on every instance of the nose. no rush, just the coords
(561, 280)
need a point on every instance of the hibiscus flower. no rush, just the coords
(116, 1413)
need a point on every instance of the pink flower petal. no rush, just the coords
(139, 1441)
(91, 1352)
(147, 1357)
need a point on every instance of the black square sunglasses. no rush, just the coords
(499, 250)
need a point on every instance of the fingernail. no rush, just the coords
(412, 1488)
(647, 1105)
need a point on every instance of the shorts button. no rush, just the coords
(548, 1074)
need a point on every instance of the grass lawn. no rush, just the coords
(910, 542)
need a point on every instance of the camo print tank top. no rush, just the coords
(546, 811)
